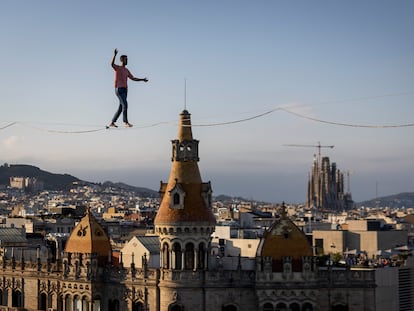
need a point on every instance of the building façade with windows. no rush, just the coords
(282, 275)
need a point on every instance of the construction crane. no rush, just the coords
(319, 146)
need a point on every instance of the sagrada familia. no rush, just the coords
(282, 276)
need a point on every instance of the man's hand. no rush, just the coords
(115, 52)
(145, 79)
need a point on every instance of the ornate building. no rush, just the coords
(282, 276)
(326, 190)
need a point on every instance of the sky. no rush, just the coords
(349, 63)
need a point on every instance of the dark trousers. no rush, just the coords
(121, 93)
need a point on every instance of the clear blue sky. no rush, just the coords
(341, 61)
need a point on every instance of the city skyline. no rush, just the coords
(349, 64)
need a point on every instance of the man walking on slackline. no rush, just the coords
(121, 88)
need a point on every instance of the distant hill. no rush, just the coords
(227, 198)
(223, 197)
(145, 192)
(51, 181)
(405, 199)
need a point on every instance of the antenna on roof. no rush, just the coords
(185, 94)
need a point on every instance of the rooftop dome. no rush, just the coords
(88, 237)
(284, 239)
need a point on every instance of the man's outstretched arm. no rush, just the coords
(139, 79)
(113, 57)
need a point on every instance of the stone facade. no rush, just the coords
(37, 286)
(281, 276)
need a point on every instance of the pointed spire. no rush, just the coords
(184, 129)
(185, 197)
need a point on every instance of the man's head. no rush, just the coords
(123, 59)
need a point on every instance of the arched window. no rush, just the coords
(5, 297)
(268, 307)
(165, 256)
(189, 256)
(42, 301)
(68, 303)
(85, 304)
(137, 306)
(176, 200)
(16, 298)
(50, 299)
(177, 196)
(178, 256)
(77, 303)
(60, 303)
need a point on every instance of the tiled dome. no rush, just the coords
(284, 239)
(88, 237)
